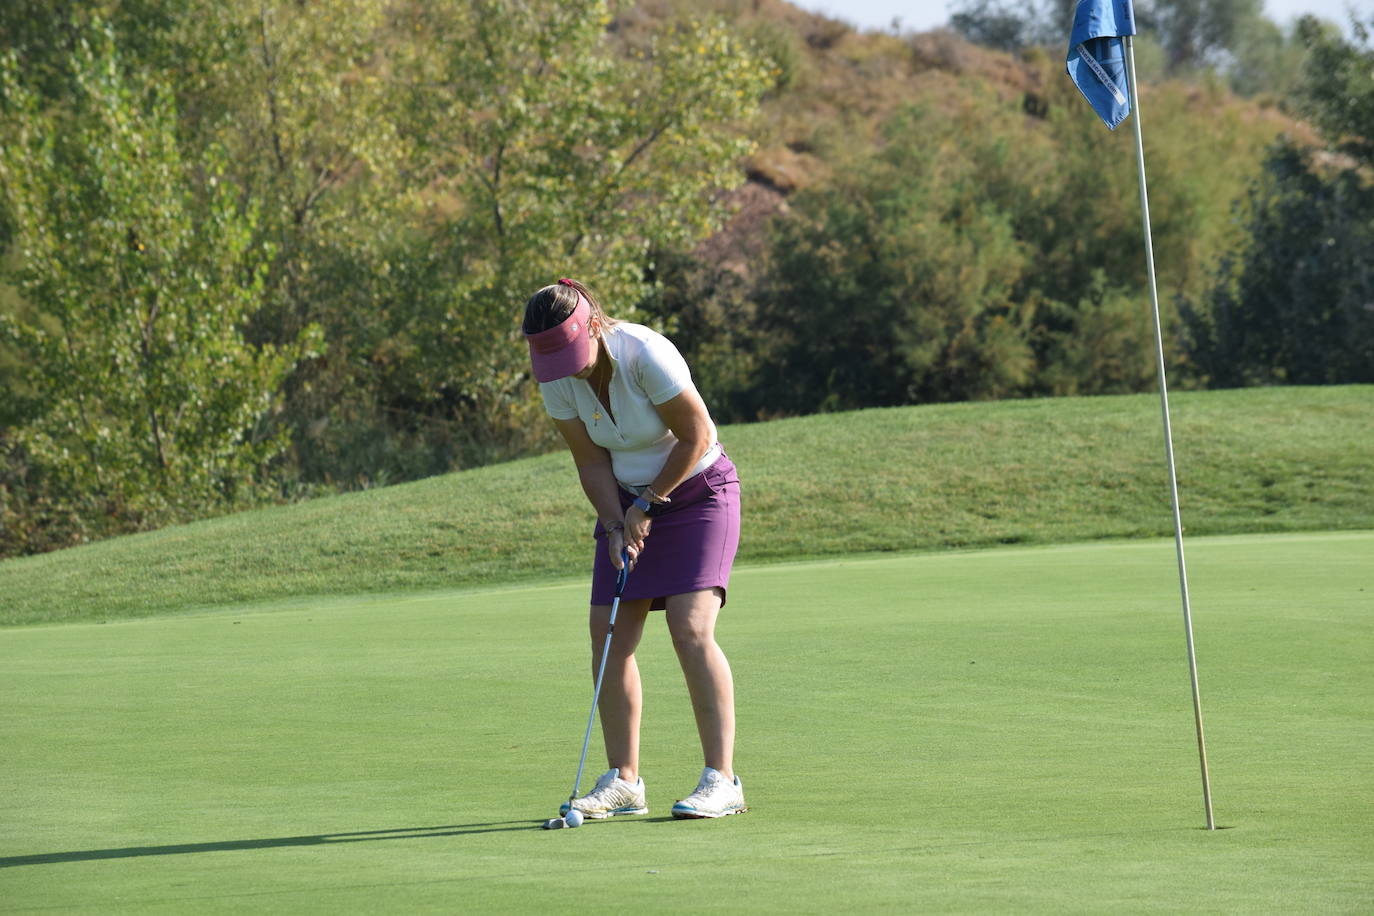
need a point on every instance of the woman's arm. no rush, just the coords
(599, 483)
(685, 414)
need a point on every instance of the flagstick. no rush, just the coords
(1168, 434)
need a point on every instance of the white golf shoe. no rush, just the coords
(610, 797)
(715, 796)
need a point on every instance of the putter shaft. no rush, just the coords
(601, 669)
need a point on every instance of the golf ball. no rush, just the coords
(574, 818)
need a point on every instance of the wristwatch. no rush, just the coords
(647, 499)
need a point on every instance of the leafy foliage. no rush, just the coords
(1338, 91)
(894, 284)
(981, 251)
(1265, 59)
(257, 247)
(1010, 26)
(1296, 305)
(1197, 33)
(152, 402)
(561, 157)
(338, 215)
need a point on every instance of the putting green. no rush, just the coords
(957, 732)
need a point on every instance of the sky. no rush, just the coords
(920, 15)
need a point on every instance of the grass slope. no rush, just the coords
(969, 731)
(920, 478)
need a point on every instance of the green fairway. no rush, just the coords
(1007, 730)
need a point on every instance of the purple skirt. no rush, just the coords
(691, 545)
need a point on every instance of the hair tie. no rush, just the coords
(566, 282)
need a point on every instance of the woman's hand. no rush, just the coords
(637, 526)
(616, 544)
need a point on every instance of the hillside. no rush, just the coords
(903, 479)
(841, 85)
(951, 215)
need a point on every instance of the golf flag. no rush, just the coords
(1101, 55)
(1096, 63)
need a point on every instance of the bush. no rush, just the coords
(1296, 306)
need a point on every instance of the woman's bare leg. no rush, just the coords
(622, 698)
(692, 623)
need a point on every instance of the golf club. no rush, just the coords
(555, 823)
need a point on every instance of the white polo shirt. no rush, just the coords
(646, 370)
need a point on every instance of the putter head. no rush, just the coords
(555, 823)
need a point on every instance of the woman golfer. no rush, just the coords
(664, 493)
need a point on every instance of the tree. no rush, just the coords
(977, 251)
(549, 147)
(397, 176)
(420, 168)
(1009, 26)
(140, 273)
(1294, 307)
(1338, 85)
(892, 284)
(302, 105)
(307, 106)
(993, 24)
(1197, 34)
(1265, 60)
(1194, 34)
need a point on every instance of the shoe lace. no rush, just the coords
(709, 783)
(598, 794)
(603, 789)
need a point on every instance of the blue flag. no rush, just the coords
(1097, 61)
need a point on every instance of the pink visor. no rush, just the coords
(564, 349)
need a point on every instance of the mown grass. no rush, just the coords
(998, 731)
(905, 479)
